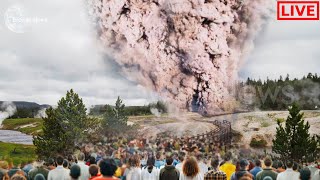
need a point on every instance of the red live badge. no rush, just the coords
(298, 10)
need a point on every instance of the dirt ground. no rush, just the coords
(250, 124)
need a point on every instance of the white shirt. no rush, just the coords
(133, 173)
(59, 173)
(179, 167)
(288, 174)
(84, 169)
(199, 176)
(203, 168)
(316, 175)
(154, 175)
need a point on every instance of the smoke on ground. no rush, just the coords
(188, 51)
(7, 109)
(41, 113)
(155, 112)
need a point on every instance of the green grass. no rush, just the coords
(265, 124)
(17, 153)
(15, 124)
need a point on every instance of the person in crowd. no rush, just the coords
(305, 174)
(150, 172)
(4, 166)
(169, 172)
(203, 167)
(312, 167)
(289, 173)
(280, 167)
(18, 177)
(59, 173)
(251, 165)
(243, 167)
(75, 172)
(15, 170)
(257, 168)
(227, 166)
(316, 175)
(93, 171)
(190, 170)
(65, 164)
(84, 168)
(159, 163)
(133, 172)
(247, 176)
(179, 165)
(267, 173)
(296, 167)
(107, 168)
(38, 169)
(26, 168)
(51, 164)
(71, 160)
(92, 160)
(215, 173)
(39, 177)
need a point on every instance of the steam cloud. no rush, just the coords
(8, 109)
(155, 112)
(188, 51)
(41, 113)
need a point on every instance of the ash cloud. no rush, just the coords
(188, 51)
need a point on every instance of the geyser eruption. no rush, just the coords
(7, 109)
(188, 51)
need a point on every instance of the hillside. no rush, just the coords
(27, 105)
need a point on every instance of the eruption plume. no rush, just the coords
(7, 109)
(188, 51)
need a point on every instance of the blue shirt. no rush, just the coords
(159, 163)
(255, 171)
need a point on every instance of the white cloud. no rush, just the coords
(54, 56)
(285, 47)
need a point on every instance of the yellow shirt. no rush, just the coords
(229, 169)
(118, 172)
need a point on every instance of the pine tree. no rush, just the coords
(115, 118)
(64, 128)
(49, 142)
(293, 140)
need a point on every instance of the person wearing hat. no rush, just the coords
(267, 173)
(244, 165)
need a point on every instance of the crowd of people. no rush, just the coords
(164, 158)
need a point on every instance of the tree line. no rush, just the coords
(132, 110)
(278, 94)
